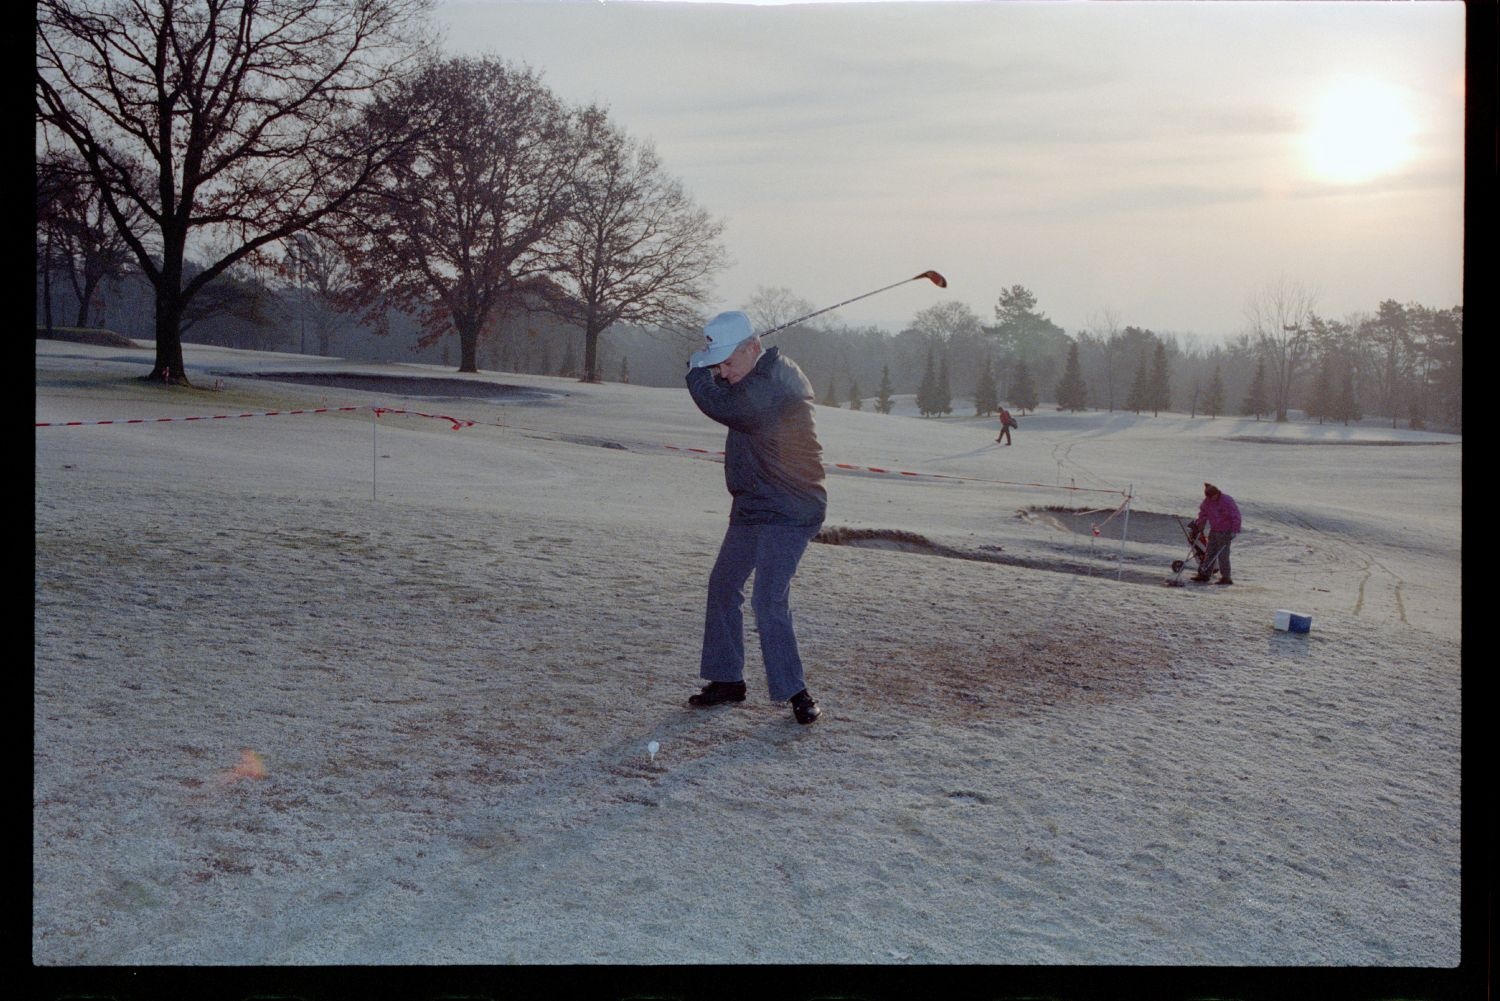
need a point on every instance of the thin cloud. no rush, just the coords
(1023, 142)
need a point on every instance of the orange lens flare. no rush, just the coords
(250, 767)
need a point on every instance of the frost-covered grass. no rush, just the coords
(1045, 758)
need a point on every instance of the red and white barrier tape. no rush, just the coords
(457, 422)
(837, 465)
(928, 476)
(700, 451)
(460, 423)
(1098, 526)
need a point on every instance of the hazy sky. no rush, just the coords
(1155, 161)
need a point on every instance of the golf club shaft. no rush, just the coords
(931, 276)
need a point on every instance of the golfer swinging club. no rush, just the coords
(773, 467)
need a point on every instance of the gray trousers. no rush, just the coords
(772, 553)
(1218, 549)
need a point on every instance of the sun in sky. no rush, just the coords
(1359, 129)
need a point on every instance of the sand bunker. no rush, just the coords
(901, 542)
(85, 335)
(897, 540)
(1145, 527)
(435, 388)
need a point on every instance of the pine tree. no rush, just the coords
(942, 399)
(830, 398)
(1255, 401)
(986, 397)
(1346, 407)
(1072, 391)
(928, 390)
(1160, 387)
(1023, 389)
(855, 403)
(1320, 404)
(1416, 413)
(1213, 404)
(1139, 397)
(884, 402)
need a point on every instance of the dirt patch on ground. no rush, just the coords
(1006, 675)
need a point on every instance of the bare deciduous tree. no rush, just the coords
(457, 230)
(1278, 314)
(771, 307)
(80, 238)
(316, 267)
(634, 247)
(1104, 329)
(234, 119)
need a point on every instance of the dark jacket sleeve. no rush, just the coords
(749, 406)
(773, 464)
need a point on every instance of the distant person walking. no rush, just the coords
(1006, 423)
(773, 467)
(1222, 516)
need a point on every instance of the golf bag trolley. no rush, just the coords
(1197, 552)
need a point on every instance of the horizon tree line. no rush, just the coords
(234, 169)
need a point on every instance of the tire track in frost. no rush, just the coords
(1338, 548)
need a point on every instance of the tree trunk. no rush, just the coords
(591, 356)
(90, 286)
(47, 285)
(170, 305)
(169, 367)
(468, 343)
(592, 328)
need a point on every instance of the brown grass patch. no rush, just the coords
(1004, 675)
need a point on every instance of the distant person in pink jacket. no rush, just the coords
(1222, 516)
(1006, 423)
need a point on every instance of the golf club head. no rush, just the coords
(933, 277)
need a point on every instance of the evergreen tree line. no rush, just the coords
(314, 172)
(1403, 362)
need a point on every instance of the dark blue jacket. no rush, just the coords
(773, 464)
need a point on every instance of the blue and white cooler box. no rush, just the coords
(1292, 622)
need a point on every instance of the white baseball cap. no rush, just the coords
(723, 334)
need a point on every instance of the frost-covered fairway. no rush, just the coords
(280, 722)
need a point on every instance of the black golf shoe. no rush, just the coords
(805, 708)
(718, 692)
